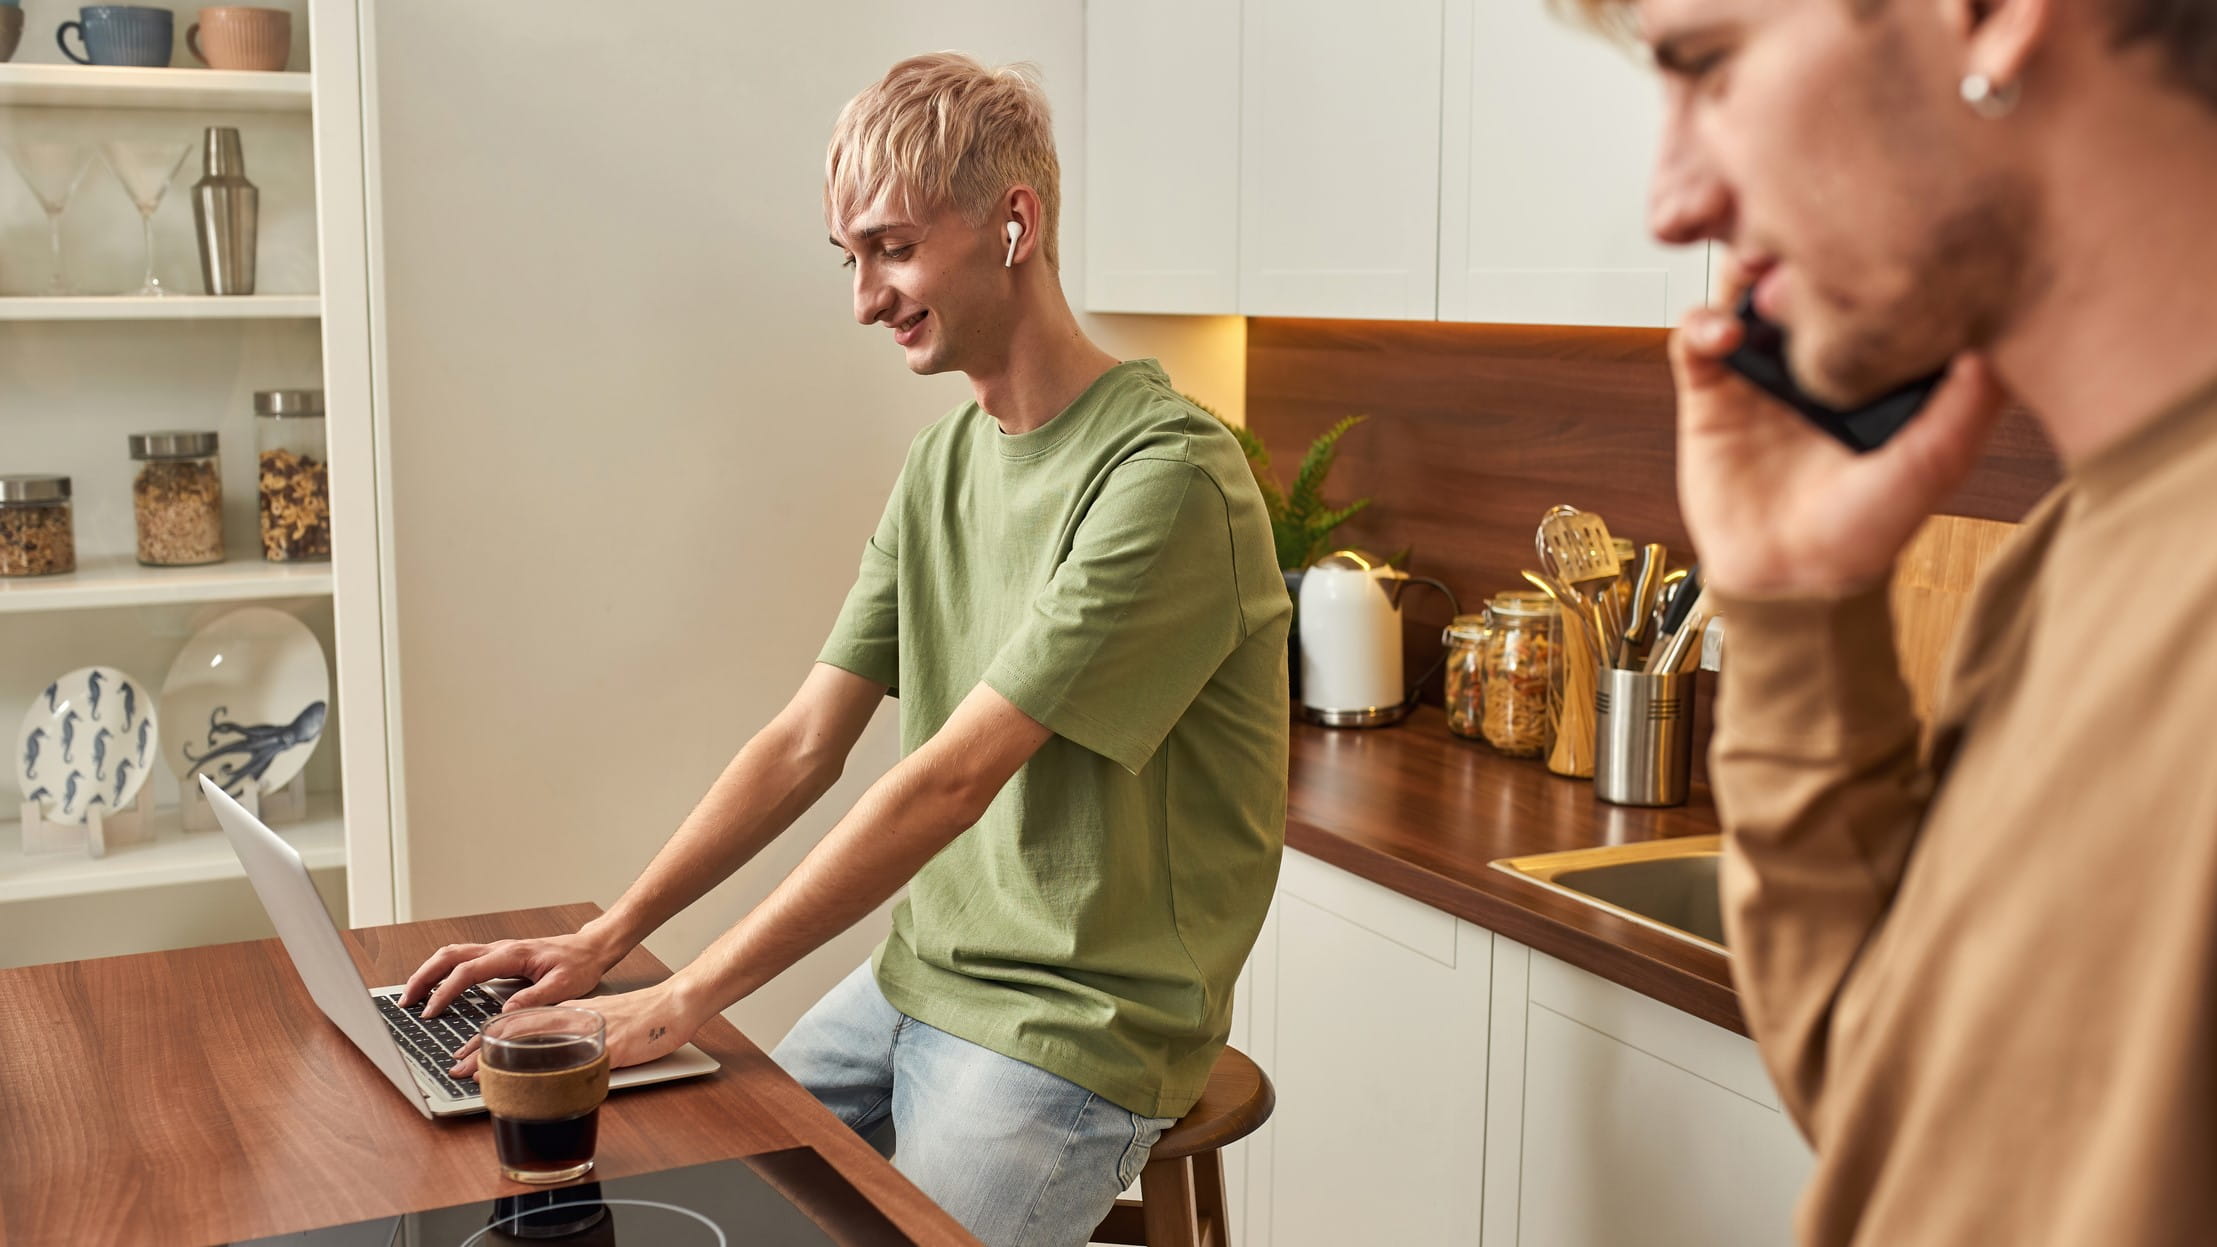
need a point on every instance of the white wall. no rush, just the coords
(637, 439)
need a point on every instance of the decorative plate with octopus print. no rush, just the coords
(87, 741)
(246, 701)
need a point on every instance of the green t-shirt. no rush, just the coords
(1111, 573)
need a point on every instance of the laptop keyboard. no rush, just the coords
(432, 1042)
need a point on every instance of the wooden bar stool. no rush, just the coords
(1181, 1190)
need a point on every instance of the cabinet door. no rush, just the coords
(1162, 156)
(1550, 134)
(1370, 1019)
(1339, 155)
(1617, 1119)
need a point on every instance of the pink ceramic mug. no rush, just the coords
(238, 37)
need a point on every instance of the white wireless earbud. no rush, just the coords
(1015, 232)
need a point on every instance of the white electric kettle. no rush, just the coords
(1350, 622)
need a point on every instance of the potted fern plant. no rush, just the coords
(1301, 522)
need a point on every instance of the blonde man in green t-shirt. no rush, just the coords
(1074, 595)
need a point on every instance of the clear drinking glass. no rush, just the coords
(52, 172)
(146, 169)
(543, 1073)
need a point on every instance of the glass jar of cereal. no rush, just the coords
(38, 535)
(177, 498)
(295, 475)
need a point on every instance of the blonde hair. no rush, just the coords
(947, 132)
(1613, 19)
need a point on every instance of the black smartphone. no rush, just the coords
(1761, 358)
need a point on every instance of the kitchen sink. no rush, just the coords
(1670, 885)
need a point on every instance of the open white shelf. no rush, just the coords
(107, 86)
(172, 857)
(166, 307)
(120, 581)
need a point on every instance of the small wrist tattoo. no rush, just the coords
(656, 1033)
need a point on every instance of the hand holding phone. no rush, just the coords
(1774, 513)
(1761, 358)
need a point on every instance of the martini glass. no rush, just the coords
(145, 169)
(51, 171)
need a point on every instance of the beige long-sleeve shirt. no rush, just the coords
(1983, 970)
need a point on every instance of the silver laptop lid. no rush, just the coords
(281, 879)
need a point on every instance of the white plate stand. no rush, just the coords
(100, 831)
(286, 805)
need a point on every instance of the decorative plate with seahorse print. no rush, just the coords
(87, 741)
(246, 701)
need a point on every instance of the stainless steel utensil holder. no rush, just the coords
(1643, 736)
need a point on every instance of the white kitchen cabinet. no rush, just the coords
(1612, 1118)
(1415, 159)
(1339, 159)
(1549, 137)
(1162, 156)
(1369, 1013)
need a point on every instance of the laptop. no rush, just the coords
(411, 1051)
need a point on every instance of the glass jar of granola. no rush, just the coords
(1517, 666)
(38, 535)
(295, 475)
(177, 498)
(1465, 639)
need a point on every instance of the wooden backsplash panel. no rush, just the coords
(1476, 430)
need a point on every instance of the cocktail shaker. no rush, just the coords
(225, 212)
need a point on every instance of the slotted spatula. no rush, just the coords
(1574, 546)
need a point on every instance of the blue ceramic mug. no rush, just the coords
(120, 34)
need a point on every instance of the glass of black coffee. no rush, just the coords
(543, 1073)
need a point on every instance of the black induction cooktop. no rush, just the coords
(791, 1198)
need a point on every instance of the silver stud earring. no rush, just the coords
(1989, 99)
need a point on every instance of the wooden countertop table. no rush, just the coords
(1419, 810)
(199, 1097)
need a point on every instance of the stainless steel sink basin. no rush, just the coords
(1670, 885)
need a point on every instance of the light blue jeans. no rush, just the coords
(1019, 1156)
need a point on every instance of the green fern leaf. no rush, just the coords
(1319, 529)
(1258, 462)
(1330, 520)
(1308, 481)
(1300, 523)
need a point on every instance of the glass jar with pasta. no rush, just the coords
(1517, 668)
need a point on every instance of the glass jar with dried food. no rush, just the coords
(295, 475)
(1517, 665)
(38, 535)
(1465, 639)
(177, 498)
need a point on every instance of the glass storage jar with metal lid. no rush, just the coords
(1465, 639)
(295, 475)
(177, 498)
(1517, 642)
(38, 535)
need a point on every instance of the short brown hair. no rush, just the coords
(2186, 30)
(946, 130)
